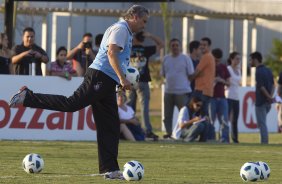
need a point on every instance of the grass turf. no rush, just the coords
(164, 162)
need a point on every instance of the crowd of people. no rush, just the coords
(201, 78)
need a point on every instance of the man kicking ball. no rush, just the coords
(98, 88)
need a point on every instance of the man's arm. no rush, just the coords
(223, 81)
(261, 85)
(194, 75)
(159, 43)
(17, 58)
(77, 67)
(42, 57)
(228, 82)
(73, 51)
(266, 94)
(113, 50)
(199, 69)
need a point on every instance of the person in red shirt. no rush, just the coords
(218, 104)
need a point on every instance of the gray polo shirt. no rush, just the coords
(176, 71)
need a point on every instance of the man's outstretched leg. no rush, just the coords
(82, 97)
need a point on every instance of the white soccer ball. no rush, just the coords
(33, 163)
(132, 75)
(250, 171)
(133, 171)
(265, 170)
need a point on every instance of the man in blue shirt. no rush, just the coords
(264, 92)
(99, 88)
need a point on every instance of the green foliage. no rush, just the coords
(164, 162)
(274, 59)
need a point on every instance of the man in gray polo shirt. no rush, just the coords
(176, 70)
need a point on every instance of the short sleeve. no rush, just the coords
(203, 63)
(190, 67)
(118, 36)
(183, 115)
(16, 50)
(227, 73)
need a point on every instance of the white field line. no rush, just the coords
(54, 175)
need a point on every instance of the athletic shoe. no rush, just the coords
(151, 135)
(114, 175)
(167, 136)
(18, 98)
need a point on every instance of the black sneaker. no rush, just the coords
(167, 136)
(151, 135)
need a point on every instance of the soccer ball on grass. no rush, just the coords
(133, 171)
(33, 163)
(250, 171)
(265, 170)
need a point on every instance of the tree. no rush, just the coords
(156, 65)
(166, 15)
(274, 59)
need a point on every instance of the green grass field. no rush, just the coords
(164, 162)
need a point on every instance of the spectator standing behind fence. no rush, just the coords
(61, 67)
(27, 53)
(176, 70)
(139, 58)
(204, 75)
(5, 55)
(127, 117)
(190, 124)
(279, 105)
(195, 53)
(264, 92)
(82, 55)
(232, 93)
(218, 103)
